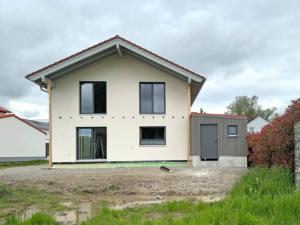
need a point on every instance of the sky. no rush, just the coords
(248, 47)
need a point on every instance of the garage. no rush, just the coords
(218, 140)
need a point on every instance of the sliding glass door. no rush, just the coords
(91, 143)
(84, 143)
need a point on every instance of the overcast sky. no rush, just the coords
(242, 47)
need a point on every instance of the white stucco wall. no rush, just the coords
(18, 139)
(46, 136)
(122, 76)
(258, 123)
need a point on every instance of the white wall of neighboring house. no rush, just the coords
(46, 136)
(123, 134)
(20, 141)
(258, 123)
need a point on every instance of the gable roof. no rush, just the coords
(261, 117)
(4, 110)
(219, 115)
(2, 116)
(38, 124)
(106, 49)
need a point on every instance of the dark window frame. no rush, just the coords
(92, 82)
(152, 97)
(140, 135)
(92, 139)
(236, 134)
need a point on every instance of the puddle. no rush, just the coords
(87, 210)
(82, 213)
(133, 204)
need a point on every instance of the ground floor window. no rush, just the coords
(91, 143)
(152, 135)
(232, 130)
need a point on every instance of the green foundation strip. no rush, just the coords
(116, 165)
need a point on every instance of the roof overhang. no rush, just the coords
(105, 50)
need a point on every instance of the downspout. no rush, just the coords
(43, 89)
(189, 119)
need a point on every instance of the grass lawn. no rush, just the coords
(24, 197)
(262, 196)
(26, 163)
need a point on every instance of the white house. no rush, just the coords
(257, 123)
(19, 140)
(118, 102)
(44, 126)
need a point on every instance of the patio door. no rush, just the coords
(91, 143)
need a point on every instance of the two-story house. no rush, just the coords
(118, 102)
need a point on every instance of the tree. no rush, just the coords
(244, 106)
(274, 145)
(201, 110)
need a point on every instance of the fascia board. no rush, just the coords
(73, 60)
(109, 45)
(160, 61)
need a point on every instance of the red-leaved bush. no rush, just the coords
(274, 145)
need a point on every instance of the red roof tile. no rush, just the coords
(4, 110)
(2, 116)
(104, 42)
(219, 115)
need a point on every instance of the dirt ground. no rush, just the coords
(131, 183)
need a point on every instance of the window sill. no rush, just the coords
(153, 145)
(232, 135)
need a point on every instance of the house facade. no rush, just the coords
(257, 123)
(44, 126)
(20, 141)
(118, 102)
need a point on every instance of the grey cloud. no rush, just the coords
(218, 39)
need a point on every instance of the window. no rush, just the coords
(91, 143)
(251, 129)
(152, 98)
(232, 130)
(152, 136)
(92, 97)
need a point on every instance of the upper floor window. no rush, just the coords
(92, 97)
(152, 98)
(251, 129)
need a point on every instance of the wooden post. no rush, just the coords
(50, 124)
(189, 118)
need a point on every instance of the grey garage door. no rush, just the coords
(209, 141)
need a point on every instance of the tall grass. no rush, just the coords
(26, 163)
(36, 219)
(20, 197)
(262, 196)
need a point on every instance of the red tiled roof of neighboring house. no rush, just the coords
(104, 42)
(219, 115)
(2, 116)
(4, 110)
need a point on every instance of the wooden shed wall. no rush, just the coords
(227, 146)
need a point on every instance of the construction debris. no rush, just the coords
(166, 168)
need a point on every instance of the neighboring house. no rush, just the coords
(44, 127)
(3, 110)
(257, 123)
(118, 102)
(20, 140)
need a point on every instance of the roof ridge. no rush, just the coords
(13, 115)
(104, 42)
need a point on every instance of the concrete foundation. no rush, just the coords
(224, 161)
